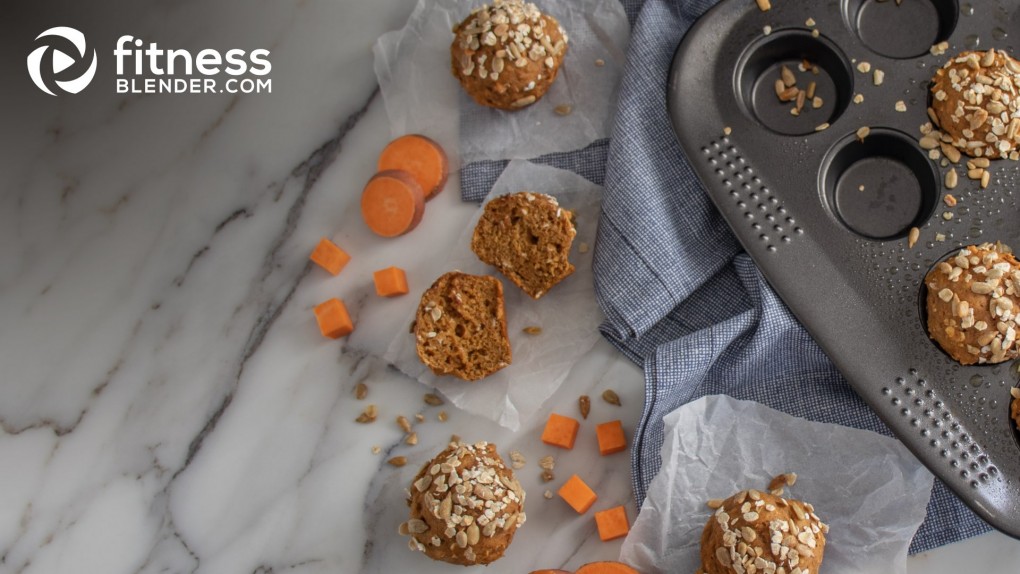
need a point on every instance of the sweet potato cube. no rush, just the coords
(390, 282)
(334, 322)
(612, 523)
(611, 437)
(577, 494)
(560, 431)
(330, 257)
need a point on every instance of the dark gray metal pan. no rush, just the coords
(837, 254)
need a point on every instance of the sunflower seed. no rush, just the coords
(368, 415)
(404, 424)
(360, 391)
(878, 77)
(915, 234)
(611, 397)
(563, 109)
(433, 399)
(412, 439)
(951, 181)
(532, 330)
(397, 461)
(764, 5)
(584, 403)
(787, 76)
(862, 132)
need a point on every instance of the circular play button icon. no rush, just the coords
(61, 63)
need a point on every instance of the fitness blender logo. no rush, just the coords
(63, 64)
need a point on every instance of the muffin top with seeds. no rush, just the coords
(973, 300)
(976, 105)
(465, 504)
(755, 531)
(507, 54)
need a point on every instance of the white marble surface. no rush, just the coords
(166, 402)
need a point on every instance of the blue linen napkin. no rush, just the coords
(680, 296)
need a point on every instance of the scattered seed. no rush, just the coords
(455, 438)
(949, 199)
(766, 29)
(764, 5)
(980, 162)
(418, 417)
(547, 494)
(810, 22)
(525, 101)
(939, 49)
(433, 399)
(811, 90)
(947, 215)
(715, 503)
(517, 460)
(864, 67)
(582, 247)
(412, 439)
(611, 397)
(727, 130)
(822, 127)
(360, 391)
(878, 77)
(376, 449)
(901, 106)
(928, 142)
(397, 461)
(858, 98)
(600, 62)
(950, 152)
(816, 102)
(563, 109)
(862, 132)
(860, 187)
(951, 180)
(986, 178)
(547, 463)
(404, 424)
(940, 237)
(368, 415)
(548, 476)
(584, 403)
(801, 99)
(915, 234)
(815, 33)
(789, 94)
(442, 416)
(787, 76)
(975, 173)
(532, 330)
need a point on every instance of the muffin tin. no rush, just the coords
(826, 215)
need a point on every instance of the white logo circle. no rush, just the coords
(50, 63)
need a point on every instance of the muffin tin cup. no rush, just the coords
(827, 214)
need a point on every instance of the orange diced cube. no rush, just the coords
(611, 437)
(330, 257)
(334, 322)
(577, 494)
(390, 282)
(612, 523)
(560, 431)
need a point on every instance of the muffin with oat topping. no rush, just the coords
(1014, 407)
(466, 506)
(973, 300)
(975, 106)
(755, 531)
(506, 55)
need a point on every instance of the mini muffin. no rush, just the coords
(507, 55)
(762, 532)
(466, 506)
(460, 327)
(975, 105)
(973, 298)
(527, 236)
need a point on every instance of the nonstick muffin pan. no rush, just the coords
(827, 216)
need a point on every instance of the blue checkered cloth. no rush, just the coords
(680, 296)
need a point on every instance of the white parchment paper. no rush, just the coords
(867, 487)
(568, 313)
(422, 96)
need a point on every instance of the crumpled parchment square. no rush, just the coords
(422, 95)
(868, 488)
(568, 314)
